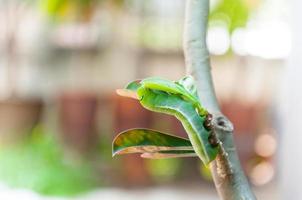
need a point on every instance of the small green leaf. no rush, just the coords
(152, 144)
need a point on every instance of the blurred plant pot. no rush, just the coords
(17, 118)
(77, 114)
(130, 114)
(248, 119)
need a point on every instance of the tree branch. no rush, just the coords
(229, 178)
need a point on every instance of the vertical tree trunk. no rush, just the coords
(229, 178)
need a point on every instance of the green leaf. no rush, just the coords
(152, 144)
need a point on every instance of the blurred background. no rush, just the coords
(61, 61)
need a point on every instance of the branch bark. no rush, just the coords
(229, 178)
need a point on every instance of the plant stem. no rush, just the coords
(229, 179)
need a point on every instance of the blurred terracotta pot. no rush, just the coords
(248, 120)
(18, 117)
(130, 114)
(77, 114)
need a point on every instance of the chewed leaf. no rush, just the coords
(127, 93)
(150, 142)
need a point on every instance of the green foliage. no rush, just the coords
(164, 170)
(61, 10)
(70, 9)
(180, 100)
(234, 13)
(39, 164)
(206, 173)
(151, 35)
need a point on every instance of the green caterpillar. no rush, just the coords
(179, 99)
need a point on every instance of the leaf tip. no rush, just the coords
(127, 93)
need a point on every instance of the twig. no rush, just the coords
(229, 178)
